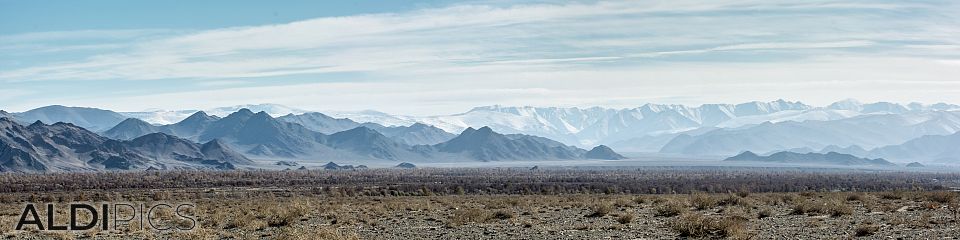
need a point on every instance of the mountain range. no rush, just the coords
(867, 131)
(259, 135)
(66, 147)
(715, 130)
(830, 158)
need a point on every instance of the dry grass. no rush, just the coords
(299, 233)
(941, 197)
(283, 214)
(833, 208)
(702, 201)
(699, 226)
(600, 209)
(670, 209)
(469, 215)
(730, 215)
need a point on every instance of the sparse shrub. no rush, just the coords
(804, 207)
(743, 194)
(295, 233)
(733, 200)
(865, 229)
(698, 226)
(625, 218)
(160, 195)
(837, 208)
(670, 209)
(502, 215)
(892, 195)
(764, 213)
(833, 208)
(600, 209)
(855, 197)
(954, 208)
(702, 201)
(469, 215)
(941, 197)
(527, 224)
(284, 214)
(623, 202)
(61, 235)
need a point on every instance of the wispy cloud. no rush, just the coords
(630, 40)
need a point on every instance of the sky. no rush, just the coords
(442, 57)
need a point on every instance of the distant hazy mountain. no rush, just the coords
(366, 141)
(486, 145)
(868, 131)
(130, 129)
(270, 109)
(258, 134)
(416, 134)
(89, 118)
(709, 129)
(831, 158)
(261, 134)
(852, 150)
(320, 122)
(645, 128)
(406, 165)
(164, 117)
(160, 117)
(67, 147)
(932, 148)
(334, 166)
(159, 146)
(602, 152)
(190, 127)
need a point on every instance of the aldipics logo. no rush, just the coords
(108, 216)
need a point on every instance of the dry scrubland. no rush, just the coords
(514, 204)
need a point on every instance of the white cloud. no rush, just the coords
(619, 52)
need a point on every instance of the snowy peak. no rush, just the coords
(883, 107)
(271, 109)
(320, 122)
(847, 104)
(761, 108)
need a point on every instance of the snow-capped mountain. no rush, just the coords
(596, 125)
(647, 128)
(160, 117)
(163, 117)
(272, 109)
(867, 131)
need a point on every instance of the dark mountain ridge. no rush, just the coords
(831, 158)
(67, 147)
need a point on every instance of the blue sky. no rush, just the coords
(438, 57)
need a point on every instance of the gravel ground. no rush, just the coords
(551, 217)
